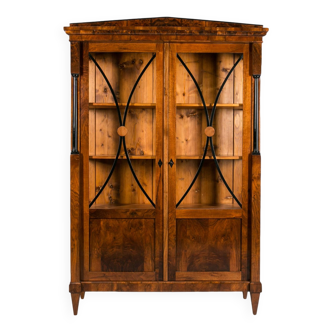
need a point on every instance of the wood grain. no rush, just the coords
(112, 106)
(121, 245)
(211, 245)
(84, 149)
(246, 149)
(122, 131)
(238, 129)
(208, 275)
(176, 286)
(224, 126)
(75, 192)
(122, 276)
(255, 217)
(209, 131)
(166, 158)
(255, 59)
(172, 187)
(159, 184)
(119, 47)
(202, 211)
(106, 211)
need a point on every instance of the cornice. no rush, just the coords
(167, 26)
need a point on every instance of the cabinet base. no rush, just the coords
(78, 289)
(165, 286)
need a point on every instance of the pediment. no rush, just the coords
(166, 26)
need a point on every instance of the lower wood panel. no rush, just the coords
(208, 245)
(121, 245)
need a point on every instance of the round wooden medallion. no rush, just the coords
(209, 131)
(122, 131)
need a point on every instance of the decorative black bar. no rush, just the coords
(110, 86)
(222, 86)
(75, 111)
(256, 117)
(160, 163)
(171, 163)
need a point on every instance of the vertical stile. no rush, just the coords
(84, 134)
(165, 137)
(172, 171)
(246, 149)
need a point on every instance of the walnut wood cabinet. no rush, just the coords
(165, 162)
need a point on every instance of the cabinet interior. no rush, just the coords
(122, 71)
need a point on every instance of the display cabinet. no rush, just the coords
(165, 162)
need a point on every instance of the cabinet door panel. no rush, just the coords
(209, 143)
(208, 245)
(122, 245)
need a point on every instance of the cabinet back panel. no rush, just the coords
(208, 189)
(122, 187)
(208, 245)
(122, 245)
(122, 71)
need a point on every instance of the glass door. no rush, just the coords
(124, 228)
(209, 102)
(207, 161)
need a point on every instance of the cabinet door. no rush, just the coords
(209, 146)
(122, 95)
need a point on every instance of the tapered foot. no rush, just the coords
(245, 293)
(75, 298)
(254, 302)
(82, 295)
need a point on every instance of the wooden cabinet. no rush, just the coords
(165, 163)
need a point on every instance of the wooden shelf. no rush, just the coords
(202, 211)
(177, 157)
(107, 211)
(210, 106)
(121, 206)
(153, 105)
(121, 105)
(210, 157)
(122, 157)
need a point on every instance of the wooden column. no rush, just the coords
(75, 166)
(75, 284)
(255, 284)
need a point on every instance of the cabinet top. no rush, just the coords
(166, 29)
